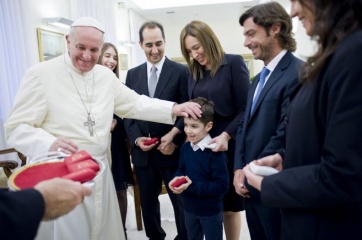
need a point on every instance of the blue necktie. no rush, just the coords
(263, 75)
(152, 83)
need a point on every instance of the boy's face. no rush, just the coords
(196, 130)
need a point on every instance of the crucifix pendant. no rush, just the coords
(89, 123)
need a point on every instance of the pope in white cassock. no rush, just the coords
(67, 104)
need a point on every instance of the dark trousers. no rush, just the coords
(264, 222)
(150, 184)
(200, 226)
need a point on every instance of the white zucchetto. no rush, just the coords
(88, 22)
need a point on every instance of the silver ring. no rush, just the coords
(59, 149)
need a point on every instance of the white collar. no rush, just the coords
(201, 145)
(273, 63)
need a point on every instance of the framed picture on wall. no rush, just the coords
(123, 61)
(249, 62)
(51, 44)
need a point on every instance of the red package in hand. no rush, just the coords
(83, 175)
(179, 182)
(89, 163)
(150, 142)
(77, 157)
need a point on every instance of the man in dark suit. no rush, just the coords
(156, 163)
(22, 211)
(267, 30)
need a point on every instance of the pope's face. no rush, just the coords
(84, 45)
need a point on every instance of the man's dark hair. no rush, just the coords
(151, 25)
(266, 15)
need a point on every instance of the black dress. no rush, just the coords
(121, 164)
(228, 91)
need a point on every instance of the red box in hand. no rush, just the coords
(150, 142)
(77, 157)
(83, 175)
(179, 182)
(83, 164)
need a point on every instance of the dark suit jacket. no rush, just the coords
(20, 214)
(319, 190)
(228, 90)
(171, 86)
(258, 134)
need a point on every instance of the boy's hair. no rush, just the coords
(207, 108)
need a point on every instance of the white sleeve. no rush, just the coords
(23, 127)
(129, 104)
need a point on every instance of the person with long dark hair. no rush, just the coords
(121, 163)
(318, 188)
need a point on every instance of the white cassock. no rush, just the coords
(49, 105)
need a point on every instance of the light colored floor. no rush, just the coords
(167, 218)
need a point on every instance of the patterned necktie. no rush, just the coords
(152, 83)
(263, 75)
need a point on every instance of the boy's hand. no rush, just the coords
(183, 187)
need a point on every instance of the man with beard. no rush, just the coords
(268, 33)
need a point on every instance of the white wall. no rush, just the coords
(40, 9)
(305, 46)
(228, 32)
(122, 28)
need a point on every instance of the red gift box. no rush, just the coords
(83, 164)
(83, 175)
(150, 142)
(77, 157)
(179, 182)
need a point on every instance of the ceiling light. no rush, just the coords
(154, 4)
(59, 22)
